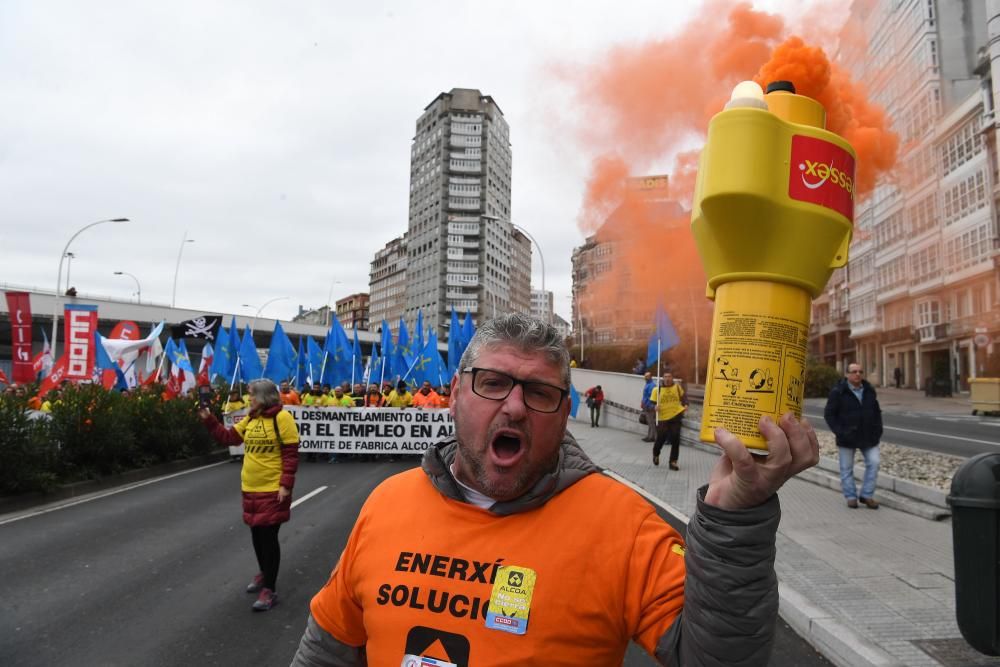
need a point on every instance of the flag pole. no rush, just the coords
(232, 382)
(658, 376)
(415, 360)
(322, 368)
(163, 357)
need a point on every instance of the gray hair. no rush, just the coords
(523, 332)
(266, 393)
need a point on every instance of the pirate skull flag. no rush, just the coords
(203, 326)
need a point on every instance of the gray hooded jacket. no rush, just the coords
(730, 587)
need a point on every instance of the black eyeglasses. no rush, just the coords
(496, 386)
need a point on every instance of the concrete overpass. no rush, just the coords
(110, 311)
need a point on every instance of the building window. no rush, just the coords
(964, 198)
(961, 146)
(924, 265)
(969, 248)
(928, 313)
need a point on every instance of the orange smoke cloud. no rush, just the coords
(848, 111)
(649, 105)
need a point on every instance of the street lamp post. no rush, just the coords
(55, 307)
(173, 299)
(253, 324)
(138, 289)
(69, 265)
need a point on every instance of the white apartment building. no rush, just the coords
(462, 251)
(541, 305)
(921, 290)
(387, 285)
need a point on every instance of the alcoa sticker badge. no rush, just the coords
(510, 600)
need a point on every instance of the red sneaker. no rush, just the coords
(256, 584)
(265, 600)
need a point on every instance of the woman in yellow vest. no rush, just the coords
(271, 441)
(671, 403)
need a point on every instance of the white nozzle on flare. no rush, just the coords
(747, 94)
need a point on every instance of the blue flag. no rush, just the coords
(423, 367)
(314, 362)
(468, 330)
(301, 366)
(234, 345)
(224, 358)
(357, 367)
(437, 371)
(338, 355)
(281, 357)
(249, 361)
(664, 336)
(177, 354)
(386, 369)
(574, 400)
(403, 357)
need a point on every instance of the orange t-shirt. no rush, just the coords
(291, 398)
(417, 574)
(431, 400)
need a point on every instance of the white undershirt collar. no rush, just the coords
(471, 495)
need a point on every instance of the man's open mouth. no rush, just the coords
(507, 446)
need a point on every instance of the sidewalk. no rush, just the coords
(864, 587)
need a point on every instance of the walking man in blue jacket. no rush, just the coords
(853, 414)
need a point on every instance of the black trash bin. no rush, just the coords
(975, 524)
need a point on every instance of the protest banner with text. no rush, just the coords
(389, 431)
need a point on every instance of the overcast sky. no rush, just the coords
(276, 135)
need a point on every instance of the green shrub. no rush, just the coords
(91, 426)
(29, 456)
(820, 378)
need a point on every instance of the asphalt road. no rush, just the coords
(947, 433)
(154, 575)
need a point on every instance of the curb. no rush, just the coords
(30, 500)
(838, 643)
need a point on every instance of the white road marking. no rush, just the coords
(649, 496)
(942, 435)
(939, 435)
(105, 494)
(308, 496)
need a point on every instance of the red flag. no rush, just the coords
(55, 378)
(3, 377)
(125, 330)
(173, 387)
(81, 323)
(206, 362)
(19, 309)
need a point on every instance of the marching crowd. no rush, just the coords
(345, 395)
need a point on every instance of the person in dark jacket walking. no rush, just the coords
(271, 457)
(595, 399)
(853, 414)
